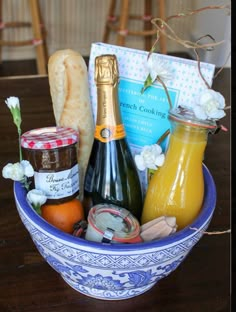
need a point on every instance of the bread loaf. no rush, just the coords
(69, 88)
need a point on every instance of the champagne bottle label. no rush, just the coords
(105, 133)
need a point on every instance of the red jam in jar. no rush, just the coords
(52, 152)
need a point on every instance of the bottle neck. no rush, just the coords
(108, 111)
(187, 144)
(109, 124)
(188, 133)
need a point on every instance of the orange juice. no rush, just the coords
(177, 188)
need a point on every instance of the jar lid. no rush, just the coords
(114, 223)
(186, 115)
(49, 138)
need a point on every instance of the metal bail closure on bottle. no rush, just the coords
(112, 224)
(186, 116)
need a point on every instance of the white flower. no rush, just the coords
(158, 68)
(18, 171)
(12, 102)
(209, 105)
(150, 157)
(14, 106)
(28, 169)
(13, 171)
(6, 171)
(36, 197)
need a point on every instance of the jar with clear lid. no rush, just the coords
(52, 152)
(109, 223)
(177, 188)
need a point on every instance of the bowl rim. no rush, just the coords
(202, 219)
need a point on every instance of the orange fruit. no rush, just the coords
(63, 216)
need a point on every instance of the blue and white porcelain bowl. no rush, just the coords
(117, 271)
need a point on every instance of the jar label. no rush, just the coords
(58, 184)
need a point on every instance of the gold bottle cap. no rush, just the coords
(106, 69)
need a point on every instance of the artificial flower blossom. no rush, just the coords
(156, 69)
(37, 198)
(18, 171)
(13, 171)
(28, 169)
(150, 157)
(209, 105)
(13, 104)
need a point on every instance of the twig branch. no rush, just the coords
(163, 27)
(173, 36)
(164, 135)
(166, 90)
(198, 60)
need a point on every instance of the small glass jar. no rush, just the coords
(52, 152)
(112, 224)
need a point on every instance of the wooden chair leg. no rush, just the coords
(148, 24)
(41, 61)
(111, 12)
(163, 48)
(0, 31)
(43, 34)
(124, 16)
(123, 31)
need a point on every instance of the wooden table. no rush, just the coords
(27, 283)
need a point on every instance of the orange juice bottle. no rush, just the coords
(177, 188)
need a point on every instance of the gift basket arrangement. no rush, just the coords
(115, 194)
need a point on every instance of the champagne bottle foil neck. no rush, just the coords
(106, 70)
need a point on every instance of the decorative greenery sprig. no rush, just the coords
(157, 72)
(13, 104)
(209, 104)
(21, 170)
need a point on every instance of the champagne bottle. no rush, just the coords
(111, 175)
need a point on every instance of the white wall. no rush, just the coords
(76, 24)
(217, 23)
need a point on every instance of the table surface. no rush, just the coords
(27, 283)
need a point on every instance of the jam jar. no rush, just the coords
(52, 152)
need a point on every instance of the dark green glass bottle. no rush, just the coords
(111, 175)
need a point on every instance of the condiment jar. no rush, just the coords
(52, 151)
(112, 224)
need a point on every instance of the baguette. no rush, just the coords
(69, 89)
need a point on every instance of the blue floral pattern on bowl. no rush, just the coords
(118, 271)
